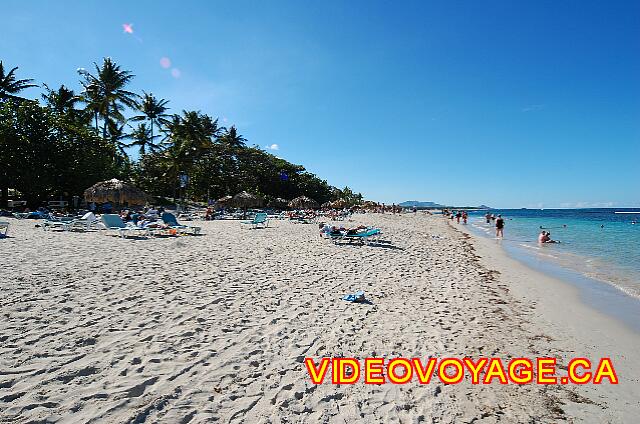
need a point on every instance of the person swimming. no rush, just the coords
(542, 236)
(545, 237)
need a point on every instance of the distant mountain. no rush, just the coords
(418, 204)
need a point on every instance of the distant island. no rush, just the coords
(433, 205)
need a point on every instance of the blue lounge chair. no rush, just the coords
(172, 222)
(52, 223)
(30, 215)
(113, 222)
(260, 219)
(363, 237)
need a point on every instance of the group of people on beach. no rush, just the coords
(457, 215)
(149, 217)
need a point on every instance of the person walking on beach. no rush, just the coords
(499, 227)
(465, 216)
(458, 216)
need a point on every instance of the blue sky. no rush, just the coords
(510, 104)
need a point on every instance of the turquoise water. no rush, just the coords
(596, 243)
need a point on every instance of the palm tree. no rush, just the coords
(153, 110)
(193, 131)
(141, 137)
(105, 94)
(62, 100)
(10, 86)
(117, 134)
(232, 139)
(189, 137)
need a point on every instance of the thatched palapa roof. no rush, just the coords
(116, 191)
(246, 200)
(303, 202)
(339, 204)
(224, 199)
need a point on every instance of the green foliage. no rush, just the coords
(45, 156)
(346, 195)
(10, 86)
(60, 150)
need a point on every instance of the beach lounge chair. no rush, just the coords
(53, 223)
(85, 223)
(172, 222)
(113, 222)
(261, 218)
(30, 215)
(4, 229)
(363, 237)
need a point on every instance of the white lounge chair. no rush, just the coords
(85, 223)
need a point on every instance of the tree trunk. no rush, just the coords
(4, 198)
(106, 121)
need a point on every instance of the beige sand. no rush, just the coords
(215, 328)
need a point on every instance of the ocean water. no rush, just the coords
(599, 244)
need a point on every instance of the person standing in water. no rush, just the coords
(499, 227)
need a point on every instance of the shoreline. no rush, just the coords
(605, 296)
(573, 325)
(216, 327)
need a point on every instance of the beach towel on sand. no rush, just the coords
(355, 297)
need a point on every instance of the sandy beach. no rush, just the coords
(215, 328)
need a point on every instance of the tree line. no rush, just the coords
(63, 143)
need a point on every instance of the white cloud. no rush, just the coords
(532, 108)
(273, 147)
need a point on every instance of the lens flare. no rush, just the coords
(128, 28)
(175, 72)
(165, 62)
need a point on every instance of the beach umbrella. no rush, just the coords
(246, 200)
(224, 199)
(339, 204)
(116, 191)
(303, 202)
(278, 202)
(369, 204)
